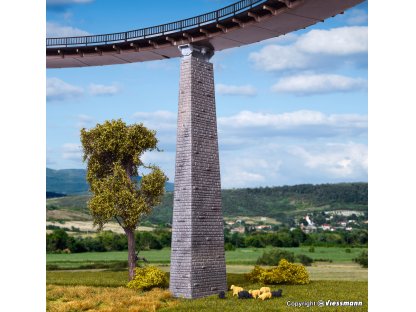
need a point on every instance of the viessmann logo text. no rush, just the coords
(324, 303)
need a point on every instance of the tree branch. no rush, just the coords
(119, 222)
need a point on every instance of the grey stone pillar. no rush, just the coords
(197, 253)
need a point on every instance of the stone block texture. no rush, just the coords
(197, 252)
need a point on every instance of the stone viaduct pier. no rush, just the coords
(197, 257)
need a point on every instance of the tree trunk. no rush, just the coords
(131, 243)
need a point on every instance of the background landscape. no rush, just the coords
(323, 226)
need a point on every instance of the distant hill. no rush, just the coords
(66, 181)
(282, 203)
(54, 195)
(73, 181)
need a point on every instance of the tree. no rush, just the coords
(57, 240)
(112, 151)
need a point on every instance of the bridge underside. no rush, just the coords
(270, 19)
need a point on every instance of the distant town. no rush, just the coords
(335, 220)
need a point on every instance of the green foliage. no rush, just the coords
(348, 250)
(356, 237)
(57, 241)
(312, 249)
(112, 151)
(255, 241)
(147, 241)
(274, 256)
(282, 203)
(284, 273)
(104, 241)
(229, 247)
(304, 259)
(147, 278)
(362, 259)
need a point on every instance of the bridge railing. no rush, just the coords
(154, 31)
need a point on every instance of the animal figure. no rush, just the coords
(277, 293)
(255, 293)
(264, 290)
(221, 294)
(244, 294)
(236, 290)
(266, 295)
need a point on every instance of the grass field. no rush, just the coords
(242, 256)
(104, 290)
(318, 271)
(87, 298)
(72, 297)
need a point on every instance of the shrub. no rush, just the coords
(255, 274)
(255, 241)
(229, 247)
(147, 278)
(362, 259)
(311, 249)
(304, 259)
(348, 250)
(147, 241)
(284, 273)
(273, 257)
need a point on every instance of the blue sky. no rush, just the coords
(290, 110)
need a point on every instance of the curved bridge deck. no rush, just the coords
(241, 23)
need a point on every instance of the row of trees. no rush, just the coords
(59, 241)
(296, 238)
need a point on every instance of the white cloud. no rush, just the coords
(303, 124)
(246, 90)
(316, 49)
(318, 84)
(259, 149)
(58, 90)
(247, 169)
(336, 160)
(336, 41)
(267, 164)
(57, 30)
(72, 151)
(280, 57)
(98, 89)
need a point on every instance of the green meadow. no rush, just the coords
(241, 256)
(77, 291)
